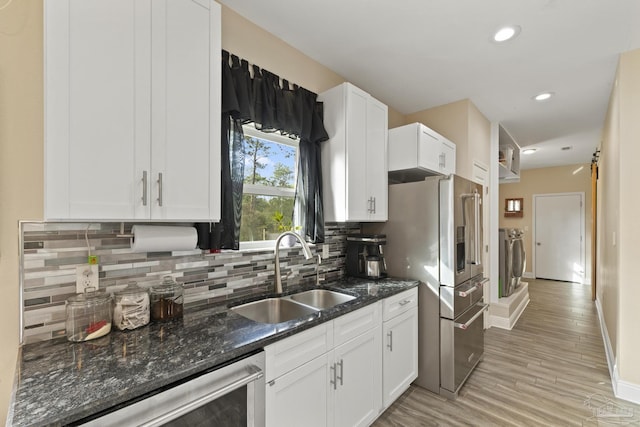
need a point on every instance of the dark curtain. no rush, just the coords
(234, 90)
(272, 107)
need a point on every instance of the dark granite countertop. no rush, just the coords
(58, 382)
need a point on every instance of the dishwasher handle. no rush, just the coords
(251, 373)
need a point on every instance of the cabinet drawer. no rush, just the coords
(355, 323)
(399, 303)
(289, 353)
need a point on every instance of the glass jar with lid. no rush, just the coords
(88, 316)
(166, 300)
(131, 307)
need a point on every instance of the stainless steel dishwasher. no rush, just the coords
(232, 395)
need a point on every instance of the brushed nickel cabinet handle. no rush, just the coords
(144, 188)
(341, 364)
(160, 189)
(390, 345)
(334, 381)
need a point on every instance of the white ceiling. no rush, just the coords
(417, 54)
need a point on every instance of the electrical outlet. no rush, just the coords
(86, 276)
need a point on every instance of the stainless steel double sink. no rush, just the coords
(290, 307)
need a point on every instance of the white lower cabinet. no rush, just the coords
(358, 383)
(301, 396)
(400, 351)
(342, 387)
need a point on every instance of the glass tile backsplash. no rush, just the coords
(52, 251)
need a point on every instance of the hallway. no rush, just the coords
(550, 370)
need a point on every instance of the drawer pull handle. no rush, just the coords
(464, 326)
(477, 286)
(405, 302)
(468, 292)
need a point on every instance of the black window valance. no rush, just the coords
(254, 95)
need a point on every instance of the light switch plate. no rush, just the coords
(86, 276)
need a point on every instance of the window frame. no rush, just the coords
(266, 190)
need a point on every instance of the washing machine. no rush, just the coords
(513, 259)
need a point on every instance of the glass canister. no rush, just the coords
(166, 300)
(88, 316)
(131, 307)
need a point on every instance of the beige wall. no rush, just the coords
(561, 179)
(628, 344)
(21, 165)
(243, 38)
(463, 124)
(607, 252)
(479, 136)
(618, 292)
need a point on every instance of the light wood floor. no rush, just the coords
(550, 370)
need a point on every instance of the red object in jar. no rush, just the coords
(94, 326)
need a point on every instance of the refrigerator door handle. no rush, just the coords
(473, 228)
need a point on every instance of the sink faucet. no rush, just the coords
(305, 249)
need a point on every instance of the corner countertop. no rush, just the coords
(58, 382)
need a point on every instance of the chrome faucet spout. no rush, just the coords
(306, 250)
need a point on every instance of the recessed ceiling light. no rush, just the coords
(506, 33)
(543, 96)
(528, 151)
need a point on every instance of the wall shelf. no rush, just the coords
(508, 157)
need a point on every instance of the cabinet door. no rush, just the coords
(358, 367)
(400, 355)
(300, 397)
(429, 149)
(185, 58)
(376, 159)
(357, 207)
(97, 108)
(447, 157)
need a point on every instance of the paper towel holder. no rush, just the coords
(122, 233)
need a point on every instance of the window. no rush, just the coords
(271, 164)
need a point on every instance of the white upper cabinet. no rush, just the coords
(132, 110)
(416, 151)
(354, 160)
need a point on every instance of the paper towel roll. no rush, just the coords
(160, 238)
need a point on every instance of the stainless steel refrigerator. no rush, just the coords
(434, 234)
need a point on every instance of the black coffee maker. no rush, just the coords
(365, 256)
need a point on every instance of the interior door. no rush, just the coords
(558, 241)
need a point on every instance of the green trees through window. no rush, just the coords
(269, 185)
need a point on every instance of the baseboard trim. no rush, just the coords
(608, 349)
(504, 323)
(621, 389)
(628, 391)
(528, 275)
